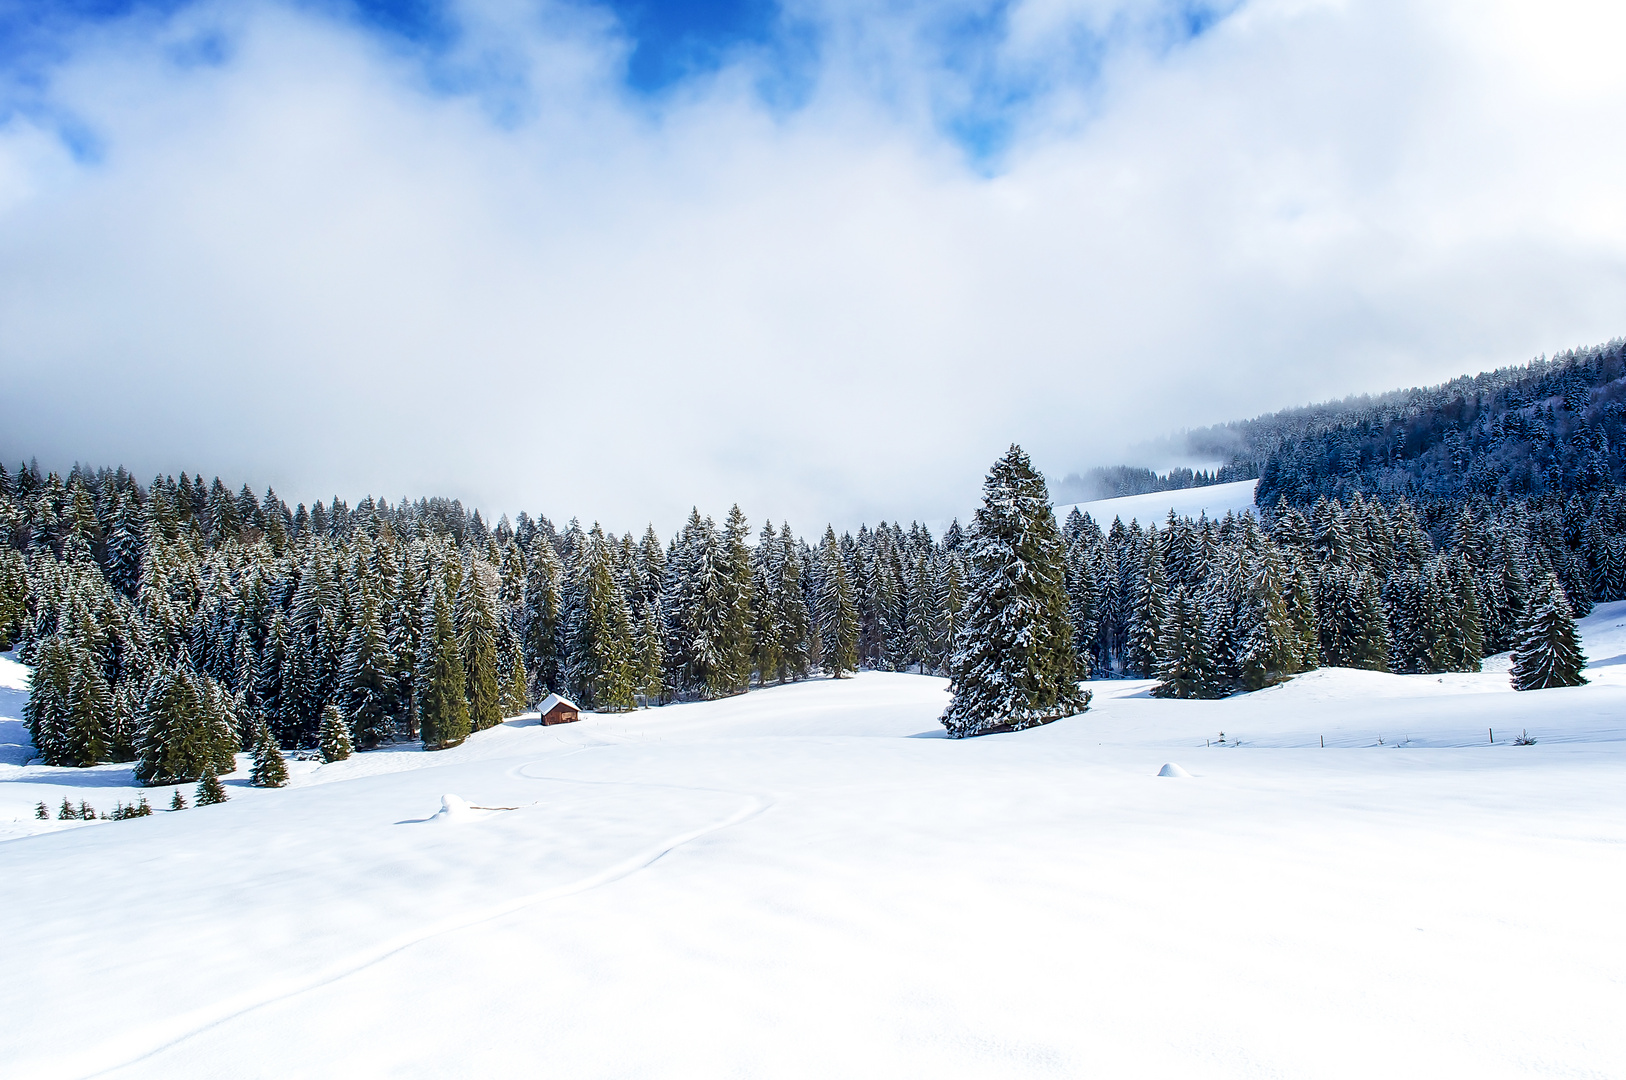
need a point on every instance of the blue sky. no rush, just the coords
(826, 259)
(979, 98)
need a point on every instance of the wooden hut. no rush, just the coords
(558, 710)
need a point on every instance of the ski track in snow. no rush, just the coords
(194, 1025)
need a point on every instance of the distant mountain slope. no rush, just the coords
(1552, 427)
(1215, 500)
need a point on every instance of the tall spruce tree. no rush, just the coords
(838, 610)
(368, 678)
(49, 707)
(1014, 665)
(477, 636)
(603, 671)
(443, 710)
(1269, 644)
(735, 581)
(1186, 666)
(1149, 611)
(1548, 652)
(794, 627)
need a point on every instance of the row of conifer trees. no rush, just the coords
(177, 623)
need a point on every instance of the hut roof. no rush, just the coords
(554, 700)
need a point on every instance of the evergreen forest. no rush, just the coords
(178, 622)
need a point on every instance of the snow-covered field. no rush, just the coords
(1215, 501)
(809, 881)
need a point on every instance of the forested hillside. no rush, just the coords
(1553, 427)
(176, 622)
(140, 603)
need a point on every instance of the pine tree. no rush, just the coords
(734, 600)
(838, 610)
(477, 636)
(48, 708)
(178, 801)
(334, 735)
(1186, 665)
(271, 679)
(1548, 652)
(1014, 666)
(1465, 639)
(542, 621)
(794, 627)
(923, 617)
(1302, 620)
(1268, 645)
(443, 710)
(368, 678)
(651, 658)
(767, 637)
(1081, 595)
(182, 734)
(14, 592)
(220, 716)
(42, 812)
(950, 601)
(210, 791)
(1371, 644)
(602, 674)
(516, 688)
(269, 768)
(1150, 611)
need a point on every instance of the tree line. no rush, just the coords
(177, 623)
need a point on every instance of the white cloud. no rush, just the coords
(305, 267)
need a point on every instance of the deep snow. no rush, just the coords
(809, 881)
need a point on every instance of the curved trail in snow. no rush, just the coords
(202, 1020)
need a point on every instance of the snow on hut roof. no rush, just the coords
(554, 699)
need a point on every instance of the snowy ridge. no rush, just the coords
(1215, 500)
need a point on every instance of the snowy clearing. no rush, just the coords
(1215, 500)
(809, 881)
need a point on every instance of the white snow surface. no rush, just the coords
(809, 881)
(1215, 500)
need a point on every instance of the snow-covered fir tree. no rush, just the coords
(334, 735)
(603, 674)
(1014, 664)
(270, 770)
(1187, 665)
(185, 730)
(442, 704)
(838, 610)
(210, 791)
(1548, 652)
(477, 636)
(370, 695)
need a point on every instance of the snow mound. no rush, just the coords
(1352, 684)
(455, 808)
(1171, 769)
